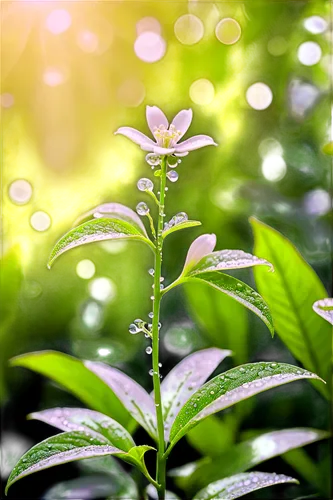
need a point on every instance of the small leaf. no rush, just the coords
(181, 225)
(239, 291)
(135, 399)
(97, 230)
(185, 379)
(324, 308)
(68, 447)
(71, 373)
(231, 387)
(227, 259)
(80, 419)
(115, 211)
(290, 293)
(328, 148)
(241, 484)
(250, 453)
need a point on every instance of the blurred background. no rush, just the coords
(257, 76)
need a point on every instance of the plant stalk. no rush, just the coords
(160, 459)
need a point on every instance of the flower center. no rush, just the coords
(167, 138)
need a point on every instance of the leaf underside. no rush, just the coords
(181, 225)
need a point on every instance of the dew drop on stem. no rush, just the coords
(142, 208)
(151, 272)
(151, 372)
(153, 160)
(145, 184)
(172, 176)
(149, 350)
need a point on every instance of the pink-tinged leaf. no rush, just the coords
(195, 142)
(93, 422)
(97, 230)
(228, 259)
(324, 308)
(115, 211)
(68, 447)
(241, 484)
(201, 246)
(230, 388)
(135, 136)
(179, 385)
(135, 399)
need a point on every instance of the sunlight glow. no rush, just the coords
(149, 47)
(102, 289)
(20, 191)
(259, 96)
(40, 221)
(228, 31)
(85, 269)
(189, 29)
(202, 92)
(87, 41)
(274, 167)
(53, 77)
(309, 53)
(58, 21)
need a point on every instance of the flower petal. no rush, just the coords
(182, 121)
(181, 154)
(195, 142)
(200, 247)
(163, 151)
(135, 136)
(147, 146)
(155, 118)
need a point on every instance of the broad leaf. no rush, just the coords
(227, 259)
(324, 308)
(239, 291)
(231, 387)
(241, 484)
(248, 454)
(290, 293)
(135, 399)
(185, 379)
(182, 225)
(214, 434)
(80, 419)
(97, 230)
(68, 447)
(71, 373)
(114, 211)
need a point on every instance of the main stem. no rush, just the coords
(160, 460)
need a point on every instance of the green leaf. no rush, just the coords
(97, 230)
(241, 484)
(248, 454)
(182, 381)
(114, 211)
(134, 397)
(328, 148)
(231, 387)
(219, 317)
(81, 419)
(239, 291)
(68, 447)
(224, 260)
(181, 225)
(324, 308)
(290, 293)
(71, 373)
(213, 435)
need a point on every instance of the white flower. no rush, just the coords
(167, 137)
(200, 247)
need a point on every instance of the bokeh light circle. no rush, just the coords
(150, 47)
(102, 289)
(131, 92)
(7, 100)
(148, 24)
(259, 96)
(20, 191)
(202, 92)
(189, 29)
(85, 269)
(53, 77)
(58, 21)
(40, 221)
(228, 31)
(315, 25)
(274, 167)
(309, 53)
(277, 46)
(317, 202)
(87, 41)
(269, 145)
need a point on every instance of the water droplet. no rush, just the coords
(133, 329)
(157, 405)
(161, 286)
(146, 335)
(145, 184)
(153, 159)
(151, 372)
(149, 350)
(151, 272)
(172, 161)
(160, 365)
(273, 365)
(159, 326)
(161, 279)
(151, 315)
(212, 392)
(152, 297)
(166, 188)
(172, 176)
(142, 208)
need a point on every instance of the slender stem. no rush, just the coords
(160, 460)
